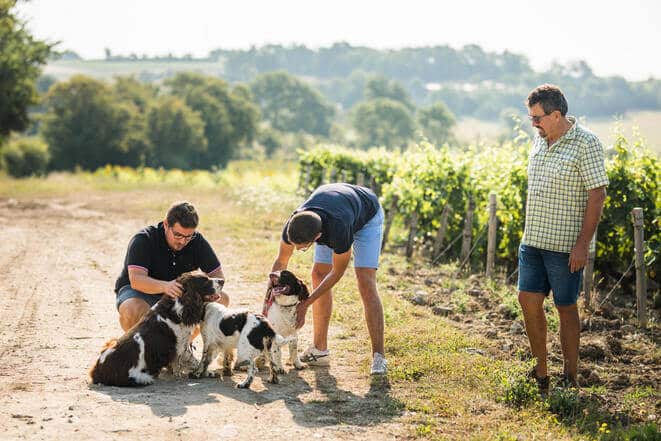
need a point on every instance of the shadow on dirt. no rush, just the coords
(169, 397)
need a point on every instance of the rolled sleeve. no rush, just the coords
(591, 165)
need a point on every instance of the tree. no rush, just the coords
(290, 105)
(383, 122)
(131, 90)
(176, 134)
(20, 59)
(381, 87)
(86, 125)
(436, 123)
(230, 116)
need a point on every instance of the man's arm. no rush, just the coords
(579, 254)
(340, 263)
(284, 254)
(140, 281)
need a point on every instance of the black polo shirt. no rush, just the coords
(149, 250)
(344, 209)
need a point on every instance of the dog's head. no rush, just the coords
(287, 289)
(197, 289)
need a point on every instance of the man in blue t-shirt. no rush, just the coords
(156, 256)
(338, 217)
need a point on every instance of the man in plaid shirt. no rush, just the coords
(566, 192)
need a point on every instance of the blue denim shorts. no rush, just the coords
(126, 292)
(542, 271)
(366, 245)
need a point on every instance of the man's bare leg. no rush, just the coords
(372, 307)
(321, 308)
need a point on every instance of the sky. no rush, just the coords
(615, 37)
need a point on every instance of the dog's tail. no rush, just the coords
(92, 372)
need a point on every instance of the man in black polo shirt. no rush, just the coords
(338, 217)
(156, 256)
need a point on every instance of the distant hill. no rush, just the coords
(471, 81)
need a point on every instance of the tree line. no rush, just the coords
(470, 80)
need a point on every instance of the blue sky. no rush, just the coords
(614, 37)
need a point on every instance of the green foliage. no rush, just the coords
(516, 388)
(21, 56)
(436, 123)
(566, 403)
(86, 125)
(271, 140)
(229, 116)
(25, 157)
(374, 165)
(383, 122)
(424, 179)
(381, 87)
(176, 133)
(288, 104)
(425, 183)
(635, 175)
(640, 432)
(131, 90)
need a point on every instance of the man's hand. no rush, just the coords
(301, 311)
(578, 256)
(172, 289)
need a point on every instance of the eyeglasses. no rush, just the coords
(537, 118)
(187, 237)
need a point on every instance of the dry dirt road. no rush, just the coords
(59, 260)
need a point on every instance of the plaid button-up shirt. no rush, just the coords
(559, 178)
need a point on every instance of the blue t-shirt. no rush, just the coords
(344, 209)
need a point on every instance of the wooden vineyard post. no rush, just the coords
(641, 282)
(440, 234)
(491, 241)
(413, 229)
(468, 232)
(389, 218)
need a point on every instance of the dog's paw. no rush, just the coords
(213, 374)
(228, 372)
(299, 366)
(273, 379)
(194, 375)
(279, 370)
(244, 385)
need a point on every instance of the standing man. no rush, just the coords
(338, 217)
(566, 192)
(156, 256)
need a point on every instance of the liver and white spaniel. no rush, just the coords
(161, 339)
(286, 292)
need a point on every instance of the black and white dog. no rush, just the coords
(161, 339)
(280, 303)
(252, 335)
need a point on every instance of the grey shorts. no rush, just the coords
(126, 292)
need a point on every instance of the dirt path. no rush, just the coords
(59, 260)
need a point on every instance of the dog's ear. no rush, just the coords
(303, 292)
(192, 302)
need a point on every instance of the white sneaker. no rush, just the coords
(315, 357)
(379, 364)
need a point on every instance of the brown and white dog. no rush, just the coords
(280, 303)
(161, 339)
